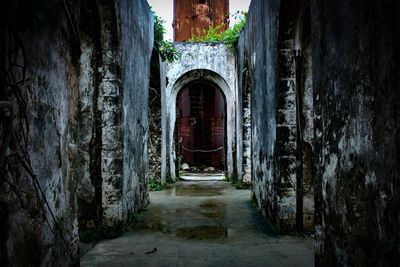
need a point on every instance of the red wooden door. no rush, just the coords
(202, 125)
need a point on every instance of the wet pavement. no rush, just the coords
(201, 224)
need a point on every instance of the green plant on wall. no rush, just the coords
(180, 159)
(166, 49)
(230, 36)
(156, 185)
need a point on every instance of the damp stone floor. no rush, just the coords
(207, 223)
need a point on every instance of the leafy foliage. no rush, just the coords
(156, 185)
(136, 217)
(180, 159)
(230, 36)
(166, 49)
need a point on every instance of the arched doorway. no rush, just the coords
(176, 84)
(201, 126)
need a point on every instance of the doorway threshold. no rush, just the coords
(203, 177)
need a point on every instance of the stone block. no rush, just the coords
(287, 86)
(287, 64)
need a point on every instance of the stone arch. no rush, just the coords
(184, 79)
(205, 74)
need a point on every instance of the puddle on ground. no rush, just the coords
(213, 209)
(211, 203)
(154, 225)
(202, 232)
(152, 220)
(181, 211)
(217, 215)
(195, 190)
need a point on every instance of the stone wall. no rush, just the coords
(245, 89)
(289, 180)
(295, 109)
(356, 93)
(84, 101)
(155, 130)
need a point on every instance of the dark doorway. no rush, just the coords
(201, 126)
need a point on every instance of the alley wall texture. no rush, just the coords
(323, 80)
(258, 57)
(83, 109)
(357, 155)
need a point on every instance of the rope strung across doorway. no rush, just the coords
(202, 151)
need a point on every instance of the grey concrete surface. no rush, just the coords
(201, 224)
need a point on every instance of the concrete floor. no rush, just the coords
(201, 224)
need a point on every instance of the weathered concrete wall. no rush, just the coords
(136, 21)
(209, 61)
(85, 101)
(48, 51)
(258, 56)
(274, 68)
(114, 118)
(356, 77)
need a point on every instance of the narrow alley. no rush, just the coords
(202, 223)
(199, 133)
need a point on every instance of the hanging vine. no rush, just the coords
(13, 124)
(14, 130)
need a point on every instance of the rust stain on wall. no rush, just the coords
(192, 17)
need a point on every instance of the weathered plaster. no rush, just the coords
(136, 55)
(356, 98)
(268, 59)
(86, 97)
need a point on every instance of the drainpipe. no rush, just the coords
(299, 140)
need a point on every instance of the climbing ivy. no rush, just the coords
(165, 49)
(230, 36)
